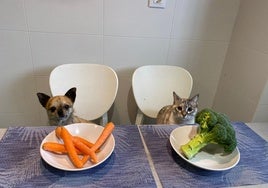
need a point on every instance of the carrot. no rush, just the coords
(54, 147)
(106, 132)
(75, 145)
(67, 139)
(57, 148)
(58, 131)
(86, 142)
(85, 159)
(84, 149)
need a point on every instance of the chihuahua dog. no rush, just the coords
(60, 108)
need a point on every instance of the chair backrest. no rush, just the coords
(96, 85)
(153, 86)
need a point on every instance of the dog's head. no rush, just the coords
(59, 108)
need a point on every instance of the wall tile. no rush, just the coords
(121, 102)
(261, 114)
(204, 60)
(18, 103)
(205, 19)
(251, 26)
(244, 76)
(234, 104)
(135, 18)
(127, 53)
(50, 50)
(42, 84)
(67, 16)
(12, 16)
(30, 118)
(264, 96)
(16, 72)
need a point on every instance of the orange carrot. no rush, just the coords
(54, 147)
(86, 142)
(58, 131)
(75, 145)
(60, 149)
(84, 149)
(67, 139)
(106, 132)
(85, 159)
(57, 148)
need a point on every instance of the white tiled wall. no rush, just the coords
(204, 20)
(68, 16)
(241, 89)
(37, 35)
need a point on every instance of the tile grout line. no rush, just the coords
(149, 157)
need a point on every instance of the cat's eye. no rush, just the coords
(189, 109)
(52, 109)
(66, 106)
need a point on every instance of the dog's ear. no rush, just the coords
(43, 99)
(71, 94)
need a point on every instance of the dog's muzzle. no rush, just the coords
(60, 113)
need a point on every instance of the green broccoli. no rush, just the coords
(214, 128)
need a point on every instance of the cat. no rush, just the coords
(182, 111)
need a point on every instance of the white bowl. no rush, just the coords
(88, 131)
(211, 157)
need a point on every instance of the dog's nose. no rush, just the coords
(60, 113)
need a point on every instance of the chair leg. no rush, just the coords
(104, 119)
(139, 118)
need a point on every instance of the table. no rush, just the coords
(135, 162)
(173, 171)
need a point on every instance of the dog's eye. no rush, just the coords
(52, 109)
(66, 106)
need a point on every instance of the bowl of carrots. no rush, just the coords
(78, 146)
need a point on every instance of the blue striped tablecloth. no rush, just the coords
(175, 172)
(21, 164)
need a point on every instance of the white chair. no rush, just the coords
(96, 85)
(153, 86)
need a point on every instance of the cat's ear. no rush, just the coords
(176, 98)
(195, 98)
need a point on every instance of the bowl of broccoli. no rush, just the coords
(211, 144)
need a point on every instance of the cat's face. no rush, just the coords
(185, 108)
(182, 111)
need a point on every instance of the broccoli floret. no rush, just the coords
(206, 119)
(214, 128)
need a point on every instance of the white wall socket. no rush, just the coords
(157, 3)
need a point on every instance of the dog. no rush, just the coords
(60, 109)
